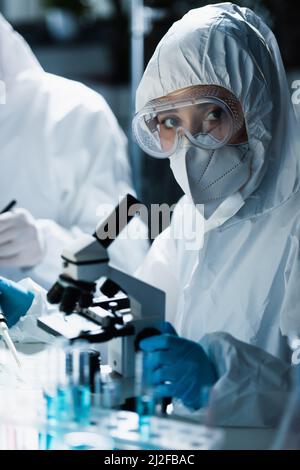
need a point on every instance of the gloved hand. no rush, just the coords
(21, 240)
(180, 367)
(15, 301)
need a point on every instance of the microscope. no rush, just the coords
(127, 310)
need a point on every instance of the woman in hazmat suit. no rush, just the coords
(214, 99)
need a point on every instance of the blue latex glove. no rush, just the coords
(15, 301)
(180, 367)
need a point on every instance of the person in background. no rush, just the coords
(63, 156)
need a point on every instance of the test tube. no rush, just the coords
(110, 392)
(64, 411)
(81, 389)
(145, 400)
(57, 395)
(96, 397)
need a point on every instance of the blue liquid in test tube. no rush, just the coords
(145, 405)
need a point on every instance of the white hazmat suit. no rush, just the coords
(63, 155)
(245, 280)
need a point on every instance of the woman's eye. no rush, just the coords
(169, 123)
(215, 115)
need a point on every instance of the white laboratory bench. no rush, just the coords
(232, 438)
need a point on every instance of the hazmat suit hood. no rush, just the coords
(15, 54)
(232, 47)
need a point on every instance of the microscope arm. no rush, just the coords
(149, 302)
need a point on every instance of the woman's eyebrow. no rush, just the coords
(167, 113)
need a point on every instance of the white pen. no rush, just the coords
(7, 339)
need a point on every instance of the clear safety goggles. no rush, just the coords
(203, 120)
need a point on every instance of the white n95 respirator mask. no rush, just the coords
(211, 175)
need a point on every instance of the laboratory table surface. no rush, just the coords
(233, 438)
